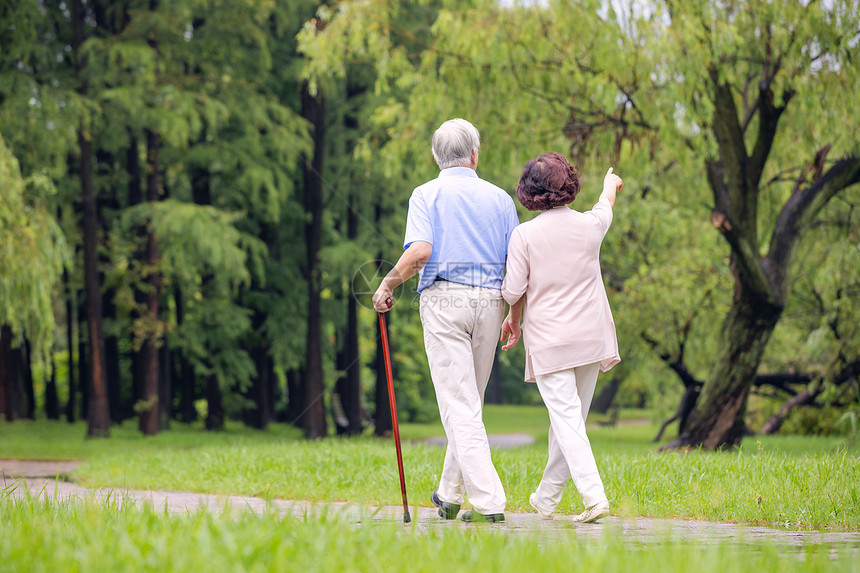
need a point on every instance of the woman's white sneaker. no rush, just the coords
(544, 514)
(593, 513)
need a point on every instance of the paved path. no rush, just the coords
(634, 530)
(505, 441)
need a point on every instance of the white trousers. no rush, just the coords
(461, 331)
(567, 395)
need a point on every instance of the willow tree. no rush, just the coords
(767, 87)
(38, 122)
(737, 111)
(32, 257)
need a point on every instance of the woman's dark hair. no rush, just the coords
(547, 182)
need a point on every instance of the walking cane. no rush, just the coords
(383, 331)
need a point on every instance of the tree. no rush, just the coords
(168, 91)
(743, 94)
(98, 418)
(223, 142)
(816, 345)
(656, 86)
(313, 109)
(32, 258)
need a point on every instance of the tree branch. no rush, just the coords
(801, 208)
(769, 116)
(782, 380)
(675, 363)
(730, 139)
(735, 200)
(808, 395)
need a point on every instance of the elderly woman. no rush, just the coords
(569, 335)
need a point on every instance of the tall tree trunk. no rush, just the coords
(187, 414)
(382, 424)
(352, 384)
(135, 197)
(114, 377)
(112, 364)
(149, 422)
(98, 419)
(260, 392)
(295, 414)
(52, 401)
(165, 386)
(83, 363)
(26, 361)
(352, 389)
(4, 367)
(108, 202)
(718, 419)
(352, 406)
(71, 321)
(604, 400)
(682, 414)
(315, 414)
(165, 358)
(202, 195)
(215, 407)
(17, 392)
(7, 385)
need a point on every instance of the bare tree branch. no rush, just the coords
(801, 208)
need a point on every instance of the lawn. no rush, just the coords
(794, 482)
(86, 536)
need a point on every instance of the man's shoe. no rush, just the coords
(473, 516)
(544, 513)
(446, 510)
(593, 513)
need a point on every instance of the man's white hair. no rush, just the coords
(453, 143)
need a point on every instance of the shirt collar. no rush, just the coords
(458, 172)
(559, 209)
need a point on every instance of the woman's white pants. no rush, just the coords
(567, 395)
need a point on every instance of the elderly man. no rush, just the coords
(457, 233)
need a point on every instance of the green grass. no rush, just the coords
(89, 536)
(505, 419)
(797, 482)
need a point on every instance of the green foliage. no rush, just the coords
(621, 84)
(815, 422)
(33, 253)
(207, 258)
(208, 336)
(194, 241)
(634, 92)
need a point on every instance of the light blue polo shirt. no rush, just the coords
(468, 221)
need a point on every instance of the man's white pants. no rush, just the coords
(567, 395)
(461, 331)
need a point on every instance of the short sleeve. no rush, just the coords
(517, 276)
(511, 223)
(418, 224)
(602, 211)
